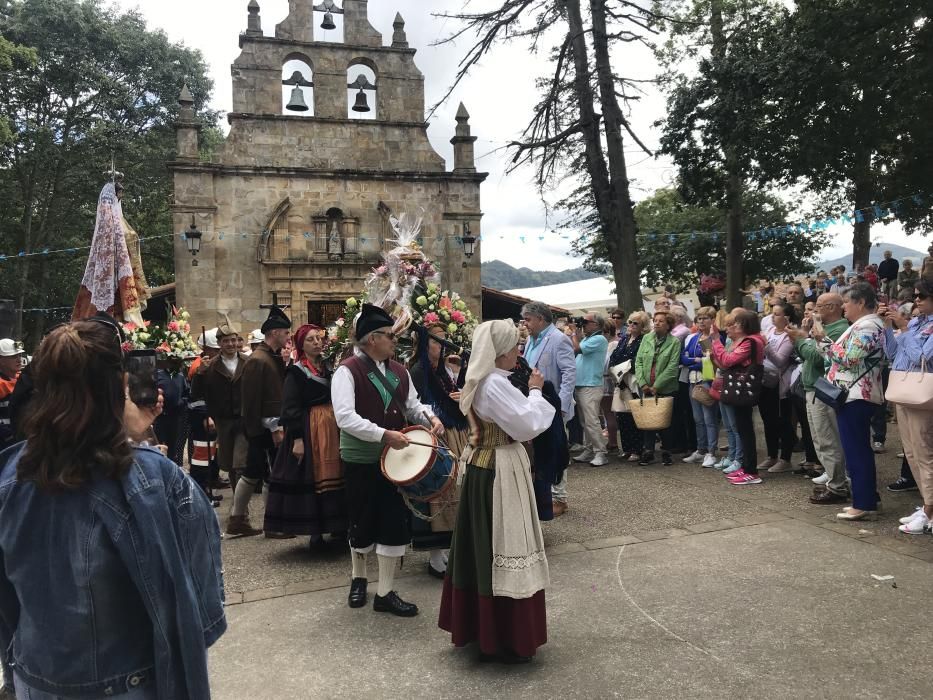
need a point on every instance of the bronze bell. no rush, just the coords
(328, 22)
(361, 104)
(297, 102)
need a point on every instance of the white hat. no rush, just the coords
(9, 348)
(256, 336)
(208, 339)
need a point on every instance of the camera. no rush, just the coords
(578, 321)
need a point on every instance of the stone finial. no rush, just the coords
(463, 141)
(254, 23)
(186, 128)
(399, 38)
(463, 121)
(186, 114)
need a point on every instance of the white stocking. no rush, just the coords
(358, 561)
(438, 560)
(387, 567)
(244, 491)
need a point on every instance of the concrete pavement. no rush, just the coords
(781, 609)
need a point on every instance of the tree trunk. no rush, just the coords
(623, 254)
(735, 240)
(861, 230)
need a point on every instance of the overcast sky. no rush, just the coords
(499, 96)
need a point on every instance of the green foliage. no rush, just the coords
(102, 89)
(716, 99)
(500, 275)
(682, 261)
(850, 115)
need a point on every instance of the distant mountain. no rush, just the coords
(876, 256)
(500, 275)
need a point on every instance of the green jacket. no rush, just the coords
(667, 364)
(814, 366)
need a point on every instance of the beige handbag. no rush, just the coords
(652, 412)
(620, 399)
(912, 390)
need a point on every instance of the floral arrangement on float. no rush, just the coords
(173, 344)
(408, 286)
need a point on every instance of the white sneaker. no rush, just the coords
(917, 526)
(709, 461)
(908, 518)
(724, 463)
(695, 458)
(877, 447)
(821, 480)
(600, 460)
(585, 456)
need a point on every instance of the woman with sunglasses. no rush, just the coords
(134, 593)
(911, 350)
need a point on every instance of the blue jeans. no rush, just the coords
(706, 419)
(732, 435)
(855, 431)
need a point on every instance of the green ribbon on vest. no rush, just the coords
(352, 449)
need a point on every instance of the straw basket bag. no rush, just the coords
(653, 413)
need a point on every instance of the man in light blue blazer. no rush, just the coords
(551, 352)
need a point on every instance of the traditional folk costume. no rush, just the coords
(497, 572)
(109, 282)
(433, 531)
(371, 397)
(202, 450)
(261, 385)
(306, 494)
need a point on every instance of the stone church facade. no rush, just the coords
(297, 203)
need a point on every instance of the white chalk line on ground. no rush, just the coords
(658, 624)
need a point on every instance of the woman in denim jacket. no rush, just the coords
(111, 580)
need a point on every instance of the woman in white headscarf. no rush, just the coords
(497, 570)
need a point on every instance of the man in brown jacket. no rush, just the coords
(217, 385)
(261, 382)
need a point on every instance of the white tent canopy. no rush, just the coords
(594, 294)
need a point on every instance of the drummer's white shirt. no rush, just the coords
(497, 401)
(343, 397)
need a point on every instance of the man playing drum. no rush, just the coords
(374, 399)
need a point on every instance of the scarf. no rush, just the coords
(490, 340)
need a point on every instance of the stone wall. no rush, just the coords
(263, 201)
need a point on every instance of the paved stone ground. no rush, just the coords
(618, 499)
(665, 581)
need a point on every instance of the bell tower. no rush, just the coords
(327, 140)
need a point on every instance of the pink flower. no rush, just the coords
(129, 326)
(173, 326)
(457, 317)
(128, 346)
(431, 317)
(148, 323)
(445, 303)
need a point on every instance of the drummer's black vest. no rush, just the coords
(372, 405)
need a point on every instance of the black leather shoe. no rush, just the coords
(357, 597)
(827, 498)
(646, 459)
(435, 573)
(391, 603)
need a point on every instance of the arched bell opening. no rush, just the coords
(361, 90)
(328, 22)
(298, 87)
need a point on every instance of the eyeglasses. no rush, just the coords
(390, 336)
(616, 318)
(633, 323)
(920, 296)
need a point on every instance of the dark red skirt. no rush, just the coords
(497, 623)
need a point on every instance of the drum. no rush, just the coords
(424, 470)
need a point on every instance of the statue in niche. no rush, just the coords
(334, 242)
